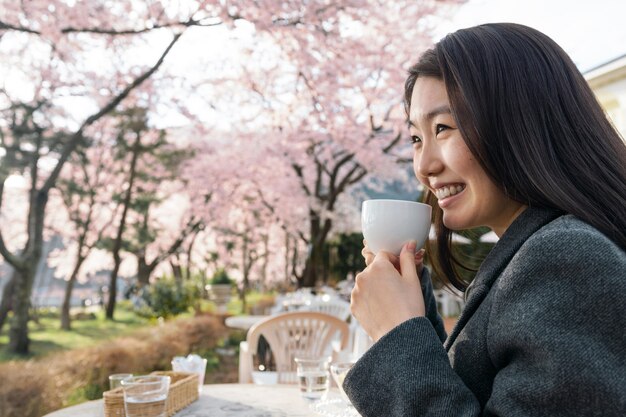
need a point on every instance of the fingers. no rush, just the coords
(382, 255)
(369, 257)
(367, 254)
(419, 261)
(408, 260)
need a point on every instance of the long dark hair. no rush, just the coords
(534, 125)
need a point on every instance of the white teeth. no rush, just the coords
(447, 191)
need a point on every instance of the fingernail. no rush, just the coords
(411, 245)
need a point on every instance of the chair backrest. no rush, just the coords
(298, 334)
(449, 304)
(334, 306)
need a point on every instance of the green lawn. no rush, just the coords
(47, 337)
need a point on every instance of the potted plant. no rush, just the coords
(220, 289)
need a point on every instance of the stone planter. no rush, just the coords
(220, 294)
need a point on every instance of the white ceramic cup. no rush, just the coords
(388, 224)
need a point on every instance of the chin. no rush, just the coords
(454, 223)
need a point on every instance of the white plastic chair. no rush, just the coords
(447, 303)
(290, 335)
(332, 305)
(360, 341)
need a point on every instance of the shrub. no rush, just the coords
(167, 298)
(221, 277)
(37, 387)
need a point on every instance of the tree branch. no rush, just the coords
(298, 169)
(192, 226)
(113, 32)
(76, 137)
(392, 144)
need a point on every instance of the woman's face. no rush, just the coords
(443, 163)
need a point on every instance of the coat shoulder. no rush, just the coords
(568, 236)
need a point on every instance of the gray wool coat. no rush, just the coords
(543, 333)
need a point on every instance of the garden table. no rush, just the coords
(243, 322)
(226, 400)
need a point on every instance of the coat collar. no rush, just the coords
(527, 223)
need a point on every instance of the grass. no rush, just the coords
(47, 337)
(252, 298)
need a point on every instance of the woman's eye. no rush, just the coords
(415, 139)
(440, 128)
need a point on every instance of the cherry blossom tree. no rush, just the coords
(85, 187)
(319, 83)
(47, 48)
(328, 110)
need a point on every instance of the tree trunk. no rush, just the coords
(315, 257)
(189, 252)
(266, 251)
(143, 271)
(203, 277)
(246, 264)
(177, 270)
(110, 310)
(18, 333)
(7, 298)
(65, 308)
(117, 246)
(287, 257)
(309, 275)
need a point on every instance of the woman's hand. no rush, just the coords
(395, 260)
(388, 291)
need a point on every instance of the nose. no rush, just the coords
(427, 161)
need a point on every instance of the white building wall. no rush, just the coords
(608, 82)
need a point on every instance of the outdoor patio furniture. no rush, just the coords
(224, 400)
(291, 335)
(447, 303)
(328, 304)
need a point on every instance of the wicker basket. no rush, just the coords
(183, 391)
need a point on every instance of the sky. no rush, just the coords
(592, 32)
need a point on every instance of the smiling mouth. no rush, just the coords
(448, 191)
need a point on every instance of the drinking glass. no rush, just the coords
(339, 372)
(115, 380)
(313, 377)
(146, 396)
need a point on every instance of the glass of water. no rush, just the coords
(145, 396)
(115, 380)
(313, 377)
(339, 372)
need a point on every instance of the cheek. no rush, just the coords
(422, 180)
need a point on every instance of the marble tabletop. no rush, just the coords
(240, 400)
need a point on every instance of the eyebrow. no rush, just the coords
(445, 109)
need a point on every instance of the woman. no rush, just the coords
(506, 134)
